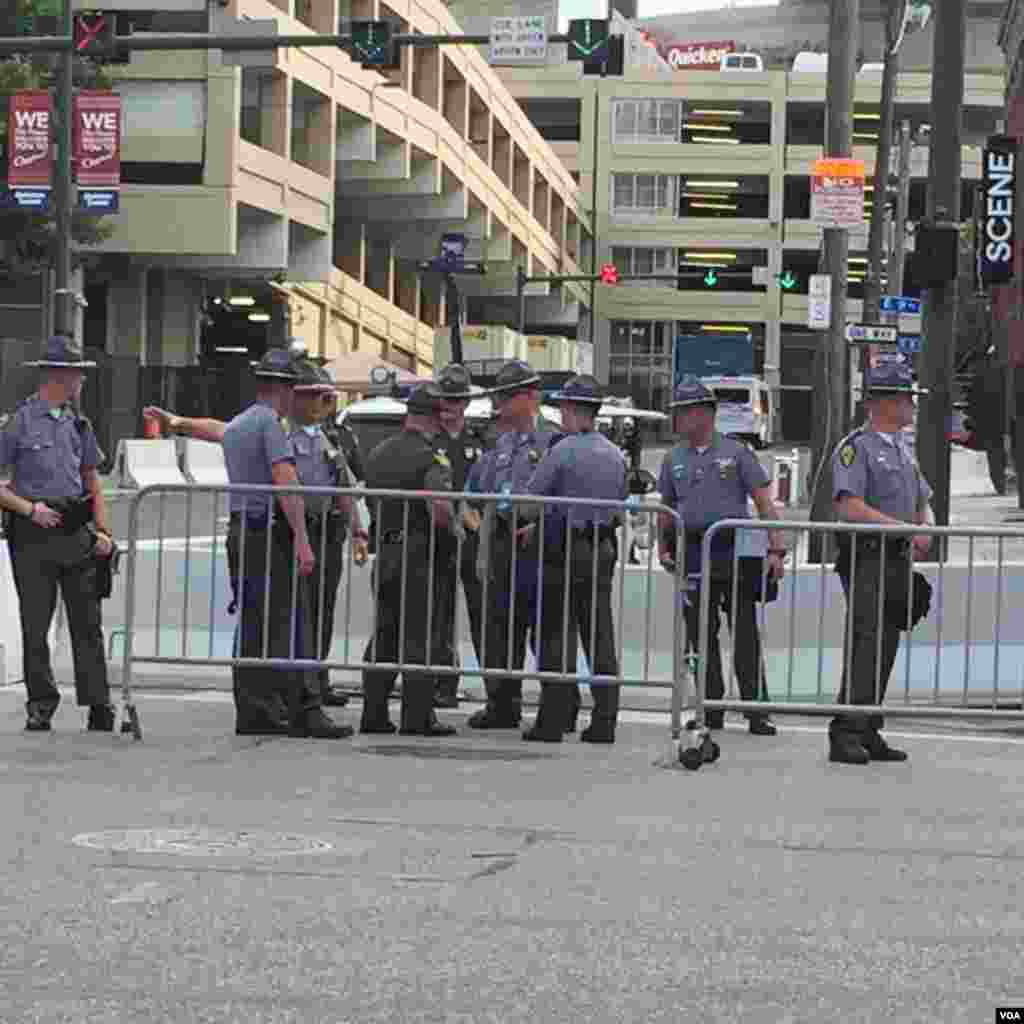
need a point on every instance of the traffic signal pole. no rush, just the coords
(63, 298)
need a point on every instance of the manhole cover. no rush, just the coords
(201, 842)
(452, 753)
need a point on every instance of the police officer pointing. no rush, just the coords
(705, 478)
(56, 522)
(580, 551)
(876, 479)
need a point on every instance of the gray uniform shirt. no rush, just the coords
(585, 466)
(704, 487)
(509, 466)
(254, 441)
(881, 471)
(46, 454)
(317, 463)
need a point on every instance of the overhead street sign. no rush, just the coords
(519, 40)
(899, 304)
(819, 301)
(871, 334)
(909, 343)
(837, 193)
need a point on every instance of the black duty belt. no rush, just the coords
(398, 536)
(256, 522)
(594, 532)
(895, 547)
(75, 512)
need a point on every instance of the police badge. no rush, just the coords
(847, 455)
(534, 456)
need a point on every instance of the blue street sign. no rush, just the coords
(899, 304)
(908, 344)
(98, 200)
(453, 248)
(36, 199)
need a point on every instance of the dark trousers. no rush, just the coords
(324, 583)
(463, 569)
(746, 639)
(272, 695)
(43, 561)
(863, 667)
(401, 629)
(509, 619)
(587, 582)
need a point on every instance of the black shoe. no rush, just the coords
(879, 750)
(379, 728)
(316, 725)
(37, 722)
(534, 735)
(762, 727)
(491, 718)
(431, 729)
(570, 726)
(446, 700)
(332, 697)
(713, 720)
(846, 748)
(594, 735)
(101, 718)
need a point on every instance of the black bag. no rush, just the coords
(106, 569)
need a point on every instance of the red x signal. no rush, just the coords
(609, 273)
(87, 30)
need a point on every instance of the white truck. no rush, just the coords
(745, 408)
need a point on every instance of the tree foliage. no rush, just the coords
(29, 239)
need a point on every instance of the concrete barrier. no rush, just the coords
(11, 659)
(968, 473)
(144, 463)
(202, 463)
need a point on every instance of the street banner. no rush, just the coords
(29, 163)
(97, 139)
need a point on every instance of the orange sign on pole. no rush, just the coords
(837, 193)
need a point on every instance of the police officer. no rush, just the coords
(875, 479)
(56, 523)
(412, 538)
(317, 464)
(257, 451)
(510, 597)
(580, 552)
(463, 448)
(707, 477)
(340, 435)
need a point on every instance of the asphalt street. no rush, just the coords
(199, 877)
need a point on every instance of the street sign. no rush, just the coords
(899, 304)
(519, 40)
(453, 249)
(871, 334)
(819, 304)
(908, 344)
(837, 193)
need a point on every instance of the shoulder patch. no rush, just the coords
(442, 460)
(847, 455)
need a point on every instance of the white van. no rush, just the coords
(807, 62)
(745, 408)
(741, 62)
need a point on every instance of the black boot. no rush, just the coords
(595, 733)
(316, 725)
(761, 726)
(101, 718)
(879, 750)
(491, 717)
(844, 745)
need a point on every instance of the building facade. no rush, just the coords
(704, 174)
(296, 199)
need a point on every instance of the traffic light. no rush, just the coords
(373, 47)
(710, 278)
(613, 64)
(588, 40)
(95, 35)
(787, 280)
(609, 273)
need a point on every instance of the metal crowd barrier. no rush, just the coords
(959, 663)
(177, 593)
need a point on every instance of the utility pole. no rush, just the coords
(940, 302)
(883, 157)
(63, 299)
(899, 246)
(833, 388)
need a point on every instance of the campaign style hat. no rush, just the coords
(581, 390)
(890, 379)
(276, 364)
(690, 391)
(515, 375)
(62, 352)
(424, 399)
(312, 377)
(455, 381)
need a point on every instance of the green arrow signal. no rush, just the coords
(711, 279)
(787, 280)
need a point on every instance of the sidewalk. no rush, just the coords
(484, 879)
